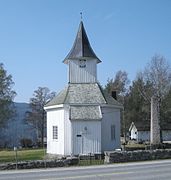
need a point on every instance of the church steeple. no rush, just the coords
(81, 48)
(81, 60)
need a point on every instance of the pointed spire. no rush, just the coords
(81, 48)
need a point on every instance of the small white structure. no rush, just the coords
(141, 131)
(82, 119)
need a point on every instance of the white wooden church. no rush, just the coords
(82, 119)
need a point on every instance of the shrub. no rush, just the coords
(25, 143)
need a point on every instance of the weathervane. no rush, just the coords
(81, 15)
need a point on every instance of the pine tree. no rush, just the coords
(6, 96)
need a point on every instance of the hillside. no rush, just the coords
(17, 128)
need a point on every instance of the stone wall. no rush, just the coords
(110, 157)
(40, 164)
(140, 155)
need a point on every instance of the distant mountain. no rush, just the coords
(17, 128)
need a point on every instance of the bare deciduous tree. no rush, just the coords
(158, 72)
(36, 116)
(156, 77)
(157, 80)
(119, 83)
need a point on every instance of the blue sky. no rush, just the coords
(36, 35)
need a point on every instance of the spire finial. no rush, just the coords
(81, 14)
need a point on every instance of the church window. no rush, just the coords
(82, 63)
(112, 132)
(55, 132)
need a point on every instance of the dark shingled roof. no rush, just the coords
(59, 98)
(85, 112)
(80, 94)
(81, 48)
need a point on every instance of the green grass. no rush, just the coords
(22, 155)
(135, 146)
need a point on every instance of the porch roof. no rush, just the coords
(85, 113)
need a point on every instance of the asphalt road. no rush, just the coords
(158, 170)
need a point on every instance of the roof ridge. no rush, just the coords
(82, 27)
(101, 90)
(67, 92)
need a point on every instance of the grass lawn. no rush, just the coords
(135, 147)
(22, 155)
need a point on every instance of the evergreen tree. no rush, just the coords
(137, 108)
(166, 110)
(6, 96)
(119, 84)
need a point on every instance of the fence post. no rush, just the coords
(90, 158)
(16, 157)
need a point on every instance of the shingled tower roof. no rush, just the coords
(81, 48)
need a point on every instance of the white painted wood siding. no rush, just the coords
(83, 75)
(134, 133)
(67, 132)
(55, 117)
(86, 137)
(111, 116)
(143, 136)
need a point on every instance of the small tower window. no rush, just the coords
(82, 63)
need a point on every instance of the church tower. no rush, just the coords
(82, 119)
(82, 60)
